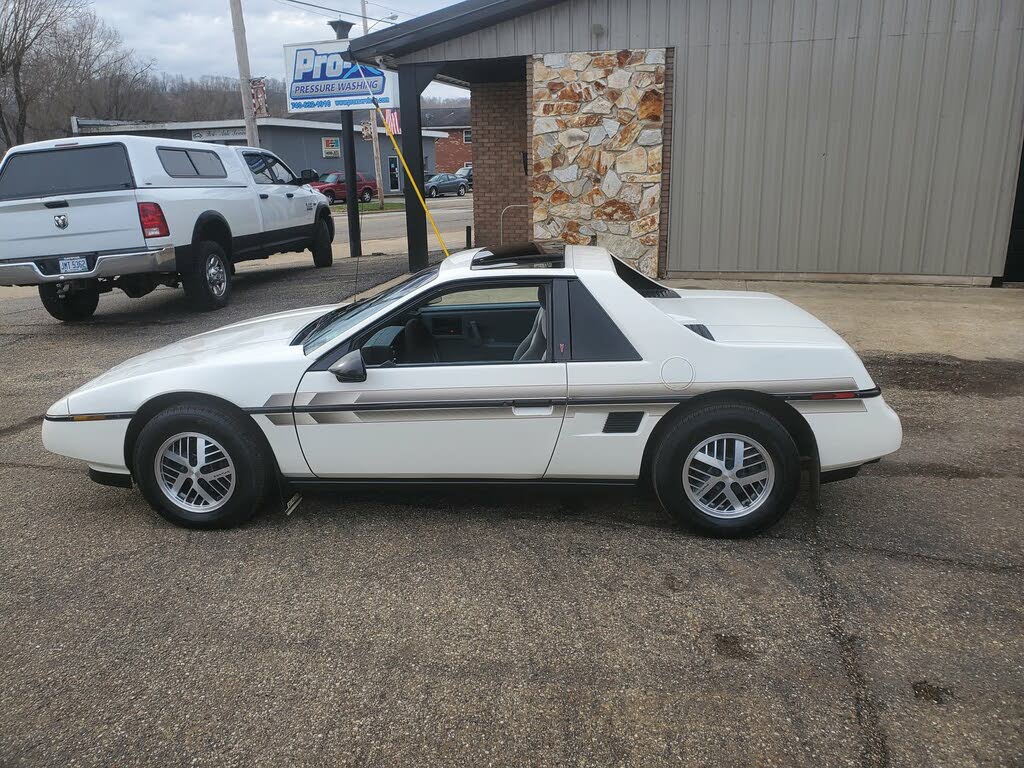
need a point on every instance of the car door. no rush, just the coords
(456, 416)
(275, 207)
(299, 199)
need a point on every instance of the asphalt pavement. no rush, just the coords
(475, 627)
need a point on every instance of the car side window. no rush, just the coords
(482, 324)
(282, 173)
(259, 167)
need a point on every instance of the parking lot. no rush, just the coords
(482, 627)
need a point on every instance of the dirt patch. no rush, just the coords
(937, 694)
(947, 374)
(735, 647)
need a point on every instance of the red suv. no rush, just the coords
(332, 185)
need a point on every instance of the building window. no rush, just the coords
(467, 136)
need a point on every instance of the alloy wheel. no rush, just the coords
(216, 275)
(195, 472)
(728, 476)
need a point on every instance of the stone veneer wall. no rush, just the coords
(597, 139)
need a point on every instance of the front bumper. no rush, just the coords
(45, 269)
(852, 432)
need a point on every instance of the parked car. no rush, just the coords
(467, 174)
(332, 186)
(504, 365)
(445, 183)
(83, 216)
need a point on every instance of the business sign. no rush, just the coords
(319, 78)
(219, 134)
(332, 146)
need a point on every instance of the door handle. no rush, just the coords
(264, 196)
(289, 194)
(56, 203)
(532, 410)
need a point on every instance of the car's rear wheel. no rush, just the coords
(462, 191)
(366, 196)
(330, 197)
(727, 469)
(323, 256)
(69, 305)
(208, 285)
(200, 467)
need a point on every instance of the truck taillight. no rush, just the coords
(153, 222)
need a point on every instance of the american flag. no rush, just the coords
(391, 118)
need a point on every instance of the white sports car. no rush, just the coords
(504, 365)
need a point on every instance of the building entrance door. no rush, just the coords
(1015, 250)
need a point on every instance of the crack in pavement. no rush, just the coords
(874, 747)
(20, 426)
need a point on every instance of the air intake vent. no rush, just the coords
(701, 330)
(623, 422)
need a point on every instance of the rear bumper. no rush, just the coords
(35, 271)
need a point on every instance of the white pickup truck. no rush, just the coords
(79, 217)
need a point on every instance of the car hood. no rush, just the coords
(235, 340)
(748, 317)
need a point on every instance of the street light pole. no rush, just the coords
(252, 135)
(373, 125)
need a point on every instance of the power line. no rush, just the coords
(340, 13)
(316, 13)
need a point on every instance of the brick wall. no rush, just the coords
(498, 112)
(452, 153)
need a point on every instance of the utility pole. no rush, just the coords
(373, 124)
(252, 135)
(355, 241)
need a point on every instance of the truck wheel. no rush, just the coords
(200, 467)
(728, 469)
(323, 256)
(71, 305)
(208, 285)
(330, 197)
(367, 195)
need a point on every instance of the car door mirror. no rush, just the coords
(350, 368)
(307, 175)
(382, 356)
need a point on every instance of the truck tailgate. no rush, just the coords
(98, 221)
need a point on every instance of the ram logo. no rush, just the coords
(60, 221)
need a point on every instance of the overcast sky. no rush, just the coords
(193, 37)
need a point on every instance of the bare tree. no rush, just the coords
(24, 24)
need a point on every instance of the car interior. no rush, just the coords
(479, 325)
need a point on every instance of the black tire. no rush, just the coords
(462, 191)
(330, 197)
(208, 285)
(432, 192)
(72, 306)
(687, 435)
(323, 256)
(240, 439)
(366, 196)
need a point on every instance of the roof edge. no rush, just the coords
(431, 28)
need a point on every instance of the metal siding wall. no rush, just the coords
(871, 136)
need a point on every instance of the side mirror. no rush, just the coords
(350, 368)
(382, 356)
(307, 175)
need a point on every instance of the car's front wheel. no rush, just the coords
(367, 195)
(208, 285)
(432, 192)
(200, 467)
(727, 469)
(330, 197)
(69, 305)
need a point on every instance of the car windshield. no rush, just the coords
(462, 172)
(435, 177)
(328, 178)
(337, 322)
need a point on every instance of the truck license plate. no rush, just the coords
(73, 265)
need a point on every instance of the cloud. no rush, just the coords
(194, 38)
